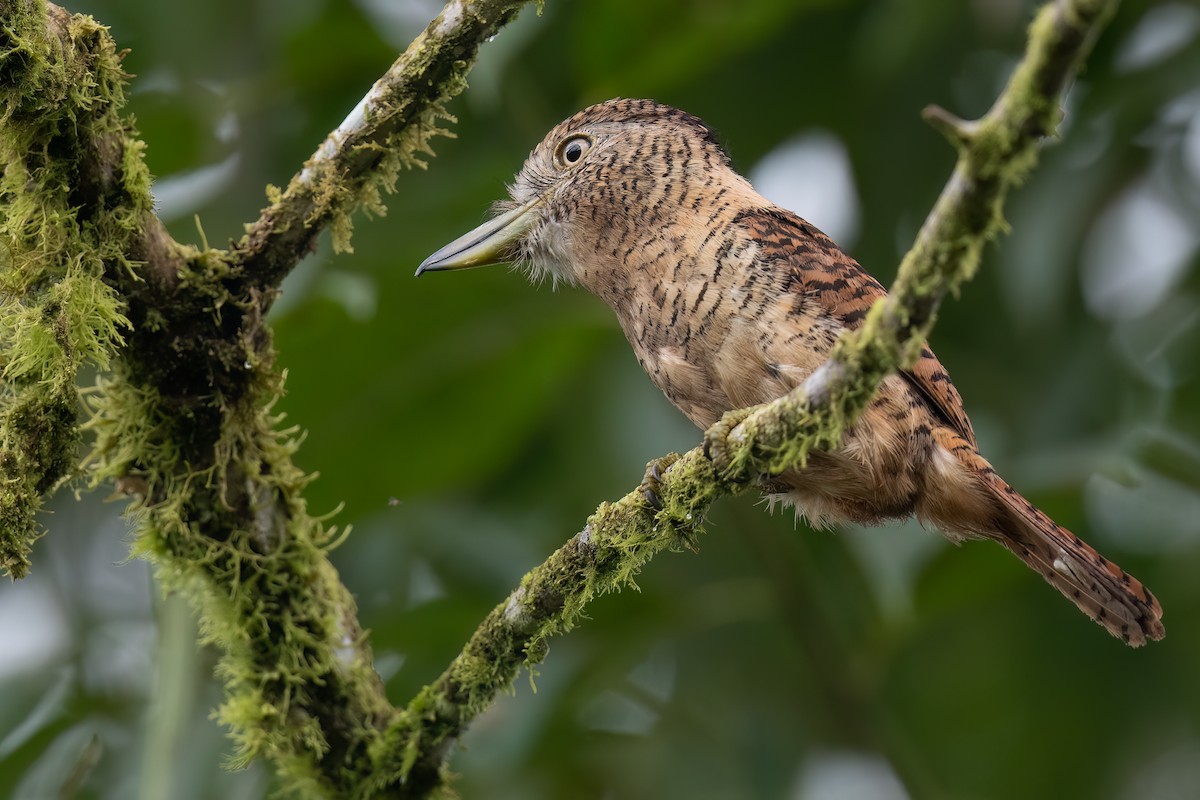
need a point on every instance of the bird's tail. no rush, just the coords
(1102, 590)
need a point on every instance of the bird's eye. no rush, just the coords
(571, 150)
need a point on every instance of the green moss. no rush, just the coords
(406, 149)
(61, 228)
(405, 111)
(265, 592)
(216, 499)
(42, 423)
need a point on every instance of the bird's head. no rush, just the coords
(595, 185)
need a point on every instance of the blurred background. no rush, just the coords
(470, 422)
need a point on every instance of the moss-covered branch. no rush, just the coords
(186, 420)
(388, 130)
(995, 153)
(181, 419)
(604, 557)
(65, 224)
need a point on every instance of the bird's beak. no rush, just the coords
(490, 243)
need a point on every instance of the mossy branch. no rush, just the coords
(181, 420)
(388, 130)
(63, 227)
(995, 153)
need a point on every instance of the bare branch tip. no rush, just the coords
(959, 132)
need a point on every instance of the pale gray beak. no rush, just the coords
(490, 243)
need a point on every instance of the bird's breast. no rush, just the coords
(720, 333)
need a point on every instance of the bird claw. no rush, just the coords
(651, 489)
(716, 448)
(652, 480)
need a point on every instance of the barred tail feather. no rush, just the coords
(1102, 590)
(970, 500)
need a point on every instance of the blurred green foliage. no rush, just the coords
(470, 423)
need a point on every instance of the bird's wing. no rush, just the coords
(820, 270)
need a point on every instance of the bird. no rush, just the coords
(730, 301)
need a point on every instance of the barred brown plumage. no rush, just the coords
(730, 301)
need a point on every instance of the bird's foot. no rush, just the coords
(651, 489)
(716, 445)
(652, 480)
